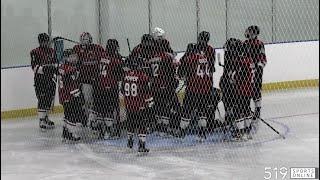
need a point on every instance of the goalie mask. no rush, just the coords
(252, 32)
(85, 38)
(158, 33)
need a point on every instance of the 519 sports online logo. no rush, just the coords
(291, 173)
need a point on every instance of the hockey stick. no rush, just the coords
(272, 128)
(219, 60)
(128, 43)
(66, 39)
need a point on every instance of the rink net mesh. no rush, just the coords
(228, 115)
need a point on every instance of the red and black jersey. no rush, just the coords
(110, 71)
(209, 52)
(245, 77)
(40, 57)
(144, 52)
(198, 70)
(257, 51)
(163, 71)
(89, 58)
(68, 82)
(136, 91)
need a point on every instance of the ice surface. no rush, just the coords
(27, 153)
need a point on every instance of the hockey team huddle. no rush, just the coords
(92, 78)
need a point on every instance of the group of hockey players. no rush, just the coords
(91, 77)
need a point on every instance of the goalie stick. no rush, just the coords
(63, 38)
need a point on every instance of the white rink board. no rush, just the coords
(286, 62)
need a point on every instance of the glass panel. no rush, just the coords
(243, 13)
(213, 20)
(122, 19)
(21, 22)
(297, 20)
(178, 19)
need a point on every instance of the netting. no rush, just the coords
(198, 81)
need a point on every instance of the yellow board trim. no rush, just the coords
(266, 88)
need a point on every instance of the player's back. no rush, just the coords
(245, 76)
(43, 56)
(110, 71)
(135, 89)
(163, 70)
(257, 51)
(199, 78)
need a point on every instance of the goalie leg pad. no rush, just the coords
(108, 121)
(184, 123)
(202, 122)
(87, 91)
(239, 123)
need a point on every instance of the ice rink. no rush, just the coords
(28, 154)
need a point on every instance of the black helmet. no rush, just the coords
(112, 44)
(43, 37)
(232, 45)
(204, 36)
(252, 31)
(192, 47)
(147, 40)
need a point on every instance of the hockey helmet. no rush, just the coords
(85, 38)
(158, 33)
(252, 31)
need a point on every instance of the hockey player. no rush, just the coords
(257, 53)
(89, 56)
(70, 96)
(161, 42)
(106, 90)
(138, 101)
(43, 63)
(164, 83)
(145, 49)
(244, 88)
(197, 69)
(205, 48)
(232, 52)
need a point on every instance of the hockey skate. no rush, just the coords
(45, 123)
(201, 137)
(67, 135)
(142, 147)
(130, 143)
